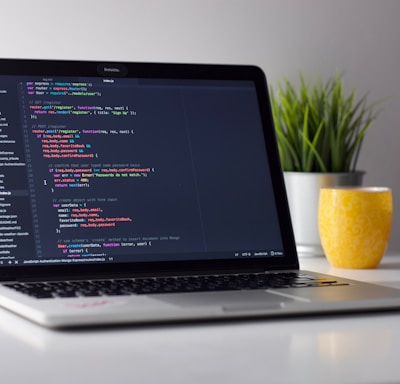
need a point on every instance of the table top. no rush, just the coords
(362, 348)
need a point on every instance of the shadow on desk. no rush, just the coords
(390, 265)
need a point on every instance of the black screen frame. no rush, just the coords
(168, 71)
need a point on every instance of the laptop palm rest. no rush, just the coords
(228, 301)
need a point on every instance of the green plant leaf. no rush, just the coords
(320, 128)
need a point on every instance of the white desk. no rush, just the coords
(354, 349)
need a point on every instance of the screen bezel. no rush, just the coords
(23, 67)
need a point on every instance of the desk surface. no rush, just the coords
(362, 348)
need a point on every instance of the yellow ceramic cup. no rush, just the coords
(354, 225)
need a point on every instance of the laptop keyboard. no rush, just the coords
(201, 283)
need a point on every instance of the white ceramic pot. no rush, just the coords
(303, 194)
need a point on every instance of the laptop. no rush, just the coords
(148, 192)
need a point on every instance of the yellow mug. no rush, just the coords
(355, 225)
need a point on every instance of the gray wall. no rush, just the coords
(360, 37)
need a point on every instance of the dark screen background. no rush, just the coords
(128, 170)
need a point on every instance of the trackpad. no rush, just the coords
(228, 301)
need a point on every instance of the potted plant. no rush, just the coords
(320, 130)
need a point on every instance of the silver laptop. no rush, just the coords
(139, 192)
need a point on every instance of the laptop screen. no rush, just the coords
(114, 169)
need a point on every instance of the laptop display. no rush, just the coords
(122, 166)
